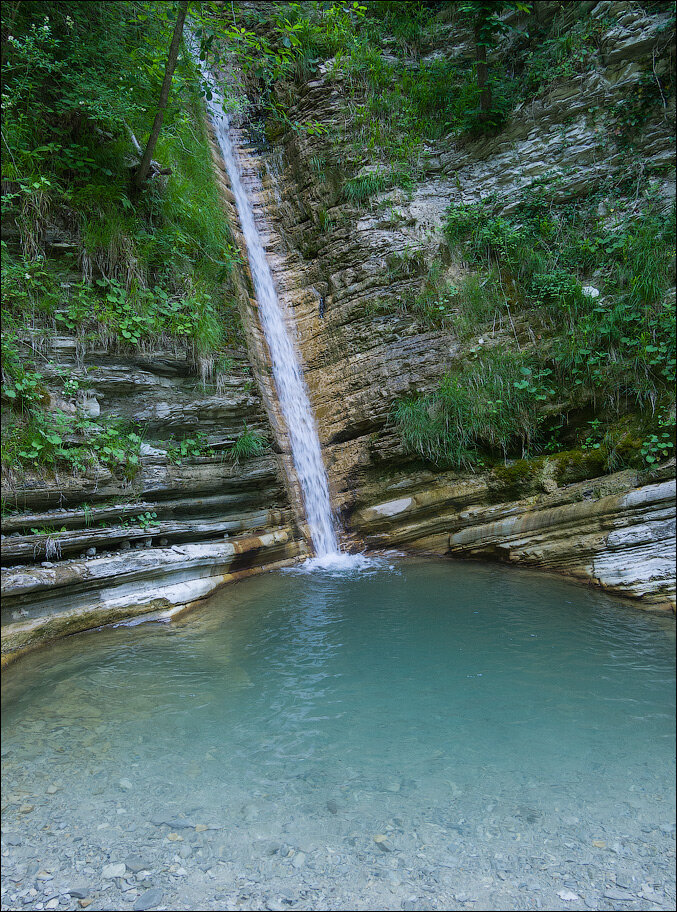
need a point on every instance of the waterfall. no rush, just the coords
(291, 387)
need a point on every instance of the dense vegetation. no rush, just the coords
(589, 277)
(87, 252)
(83, 250)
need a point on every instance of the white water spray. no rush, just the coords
(291, 388)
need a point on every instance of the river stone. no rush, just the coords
(619, 895)
(173, 823)
(136, 863)
(148, 900)
(80, 891)
(111, 871)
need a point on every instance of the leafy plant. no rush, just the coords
(661, 444)
(147, 520)
(492, 406)
(187, 448)
(250, 443)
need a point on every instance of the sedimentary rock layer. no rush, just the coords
(361, 357)
(44, 603)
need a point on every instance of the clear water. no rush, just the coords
(412, 737)
(289, 382)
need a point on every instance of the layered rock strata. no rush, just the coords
(80, 550)
(614, 531)
(335, 262)
(61, 599)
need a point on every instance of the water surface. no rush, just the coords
(420, 737)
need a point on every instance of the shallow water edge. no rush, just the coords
(413, 735)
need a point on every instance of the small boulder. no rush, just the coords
(148, 900)
(111, 871)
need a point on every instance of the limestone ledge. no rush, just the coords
(158, 481)
(30, 547)
(606, 531)
(43, 604)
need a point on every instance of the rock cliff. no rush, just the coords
(333, 262)
(84, 549)
(97, 547)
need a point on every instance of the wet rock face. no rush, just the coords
(81, 550)
(43, 603)
(333, 264)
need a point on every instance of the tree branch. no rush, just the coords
(142, 171)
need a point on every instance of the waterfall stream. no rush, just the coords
(291, 388)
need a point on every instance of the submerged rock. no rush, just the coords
(148, 900)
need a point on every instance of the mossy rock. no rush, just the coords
(521, 479)
(579, 465)
(274, 130)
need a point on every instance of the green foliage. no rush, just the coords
(366, 185)
(396, 102)
(569, 50)
(476, 301)
(147, 520)
(59, 440)
(155, 269)
(618, 347)
(616, 350)
(485, 18)
(631, 112)
(406, 264)
(22, 388)
(661, 444)
(492, 406)
(71, 85)
(250, 443)
(595, 436)
(187, 448)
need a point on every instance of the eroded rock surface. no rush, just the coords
(85, 549)
(333, 264)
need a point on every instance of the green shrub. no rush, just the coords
(493, 406)
(59, 440)
(619, 348)
(250, 443)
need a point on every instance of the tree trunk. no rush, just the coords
(142, 171)
(482, 82)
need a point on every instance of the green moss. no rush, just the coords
(579, 465)
(518, 480)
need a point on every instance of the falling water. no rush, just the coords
(291, 388)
